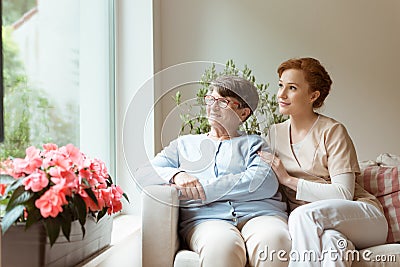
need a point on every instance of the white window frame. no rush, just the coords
(97, 81)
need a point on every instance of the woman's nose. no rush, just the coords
(215, 105)
(281, 93)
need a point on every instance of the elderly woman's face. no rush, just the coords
(228, 118)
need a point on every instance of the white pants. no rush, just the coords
(220, 243)
(323, 231)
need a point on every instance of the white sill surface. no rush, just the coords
(123, 226)
(125, 247)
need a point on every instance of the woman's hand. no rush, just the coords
(189, 186)
(280, 171)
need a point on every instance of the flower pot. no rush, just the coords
(32, 247)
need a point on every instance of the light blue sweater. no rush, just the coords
(237, 183)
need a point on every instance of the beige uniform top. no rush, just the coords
(326, 151)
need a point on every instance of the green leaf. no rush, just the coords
(11, 217)
(91, 194)
(66, 226)
(52, 226)
(101, 214)
(13, 186)
(6, 179)
(85, 182)
(109, 181)
(19, 196)
(33, 217)
(80, 208)
(83, 230)
(126, 197)
(178, 96)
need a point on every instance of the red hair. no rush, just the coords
(314, 73)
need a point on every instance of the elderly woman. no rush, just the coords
(230, 206)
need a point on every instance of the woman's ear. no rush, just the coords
(314, 96)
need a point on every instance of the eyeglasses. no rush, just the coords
(222, 102)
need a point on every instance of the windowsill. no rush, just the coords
(125, 248)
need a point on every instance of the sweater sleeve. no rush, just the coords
(161, 168)
(342, 156)
(257, 181)
(342, 187)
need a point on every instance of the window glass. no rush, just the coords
(57, 75)
(41, 74)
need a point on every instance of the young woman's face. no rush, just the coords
(294, 95)
(228, 118)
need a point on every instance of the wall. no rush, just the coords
(358, 42)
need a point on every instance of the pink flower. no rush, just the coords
(73, 153)
(99, 169)
(50, 150)
(61, 161)
(7, 167)
(32, 153)
(50, 146)
(94, 171)
(112, 197)
(50, 203)
(36, 181)
(2, 189)
(31, 162)
(64, 180)
(85, 173)
(90, 205)
(116, 206)
(20, 165)
(48, 159)
(58, 178)
(33, 158)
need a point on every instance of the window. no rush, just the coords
(58, 76)
(1, 81)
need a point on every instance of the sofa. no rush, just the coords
(161, 246)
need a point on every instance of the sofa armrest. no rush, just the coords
(160, 211)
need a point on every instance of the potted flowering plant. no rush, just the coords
(56, 186)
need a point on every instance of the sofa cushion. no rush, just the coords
(379, 256)
(387, 159)
(383, 181)
(380, 180)
(391, 208)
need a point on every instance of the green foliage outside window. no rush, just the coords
(15, 9)
(29, 116)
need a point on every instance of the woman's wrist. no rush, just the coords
(291, 182)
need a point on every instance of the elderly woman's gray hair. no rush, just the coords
(239, 88)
